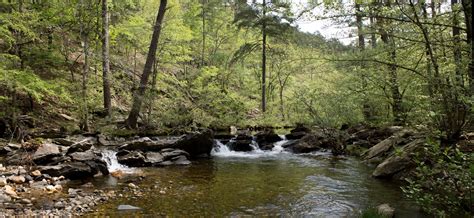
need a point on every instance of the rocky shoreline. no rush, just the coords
(51, 177)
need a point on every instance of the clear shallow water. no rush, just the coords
(258, 183)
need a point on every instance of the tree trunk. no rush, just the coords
(147, 70)
(468, 13)
(397, 98)
(366, 109)
(203, 49)
(85, 71)
(457, 44)
(105, 59)
(264, 58)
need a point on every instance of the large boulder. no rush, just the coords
(197, 144)
(366, 136)
(79, 147)
(45, 153)
(241, 143)
(145, 144)
(74, 170)
(381, 150)
(298, 132)
(266, 139)
(154, 158)
(132, 158)
(319, 138)
(400, 163)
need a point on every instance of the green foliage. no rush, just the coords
(29, 83)
(443, 182)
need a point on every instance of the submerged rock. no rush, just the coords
(385, 210)
(127, 207)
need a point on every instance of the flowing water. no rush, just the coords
(261, 183)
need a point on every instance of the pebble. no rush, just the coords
(17, 179)
(3, 181)
(131, 185)
(36, 173)
(25, 201)
(10, 191)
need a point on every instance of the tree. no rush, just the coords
(132, 119)
(272, 18)
(105, 58)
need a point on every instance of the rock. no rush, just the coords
(84, 156)
(17, 179)
(10, 191)
(3, 181)
(399, 162)
(117, 174)
(385, 210)
(127, 207)
(4, 198)
(45, 153)
(383, 148)
(67, 117)
(372, 135)
(145, 144)
(9, 147)
(132, 159)
(298, 132)
(224, 138)
(154, 158)
(36, 173)
(197, 144)
(181, 160)
(266, 139)
(59, 205)
(233, 130)
(72, 170)
(79, 147)
(63, 141)
(170, 153)
(242, 142)
(320, 138)
(40, 185)
(25, 201)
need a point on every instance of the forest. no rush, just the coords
(386, 87)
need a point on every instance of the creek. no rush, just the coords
(257, 183)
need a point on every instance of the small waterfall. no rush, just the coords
(109, 156)
(278, 146)
(222, 150)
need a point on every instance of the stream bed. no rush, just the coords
(259, 183)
